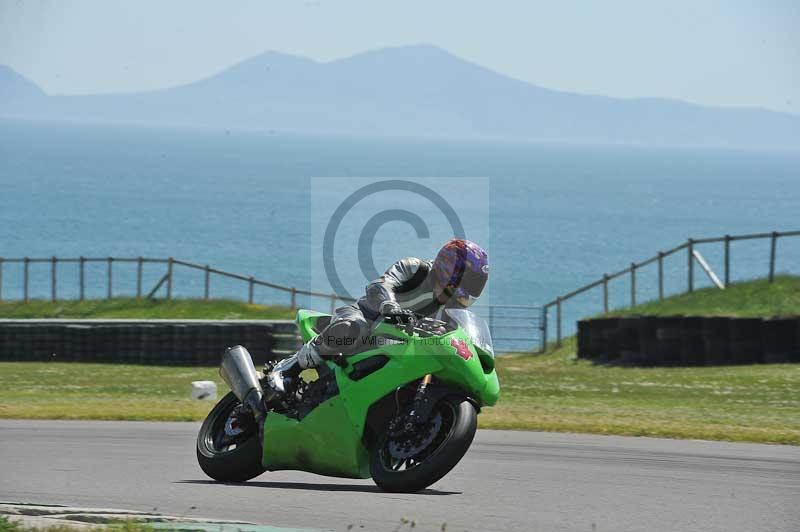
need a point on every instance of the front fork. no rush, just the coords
(420, 408)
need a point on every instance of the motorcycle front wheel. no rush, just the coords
(228, 446)
(413, 462)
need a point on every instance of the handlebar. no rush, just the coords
(412, 322)
(403, 316)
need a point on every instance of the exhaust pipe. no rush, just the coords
(238, 371)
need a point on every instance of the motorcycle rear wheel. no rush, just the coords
(455, 431)
(228, 458)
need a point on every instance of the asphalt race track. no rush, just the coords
(508, 481)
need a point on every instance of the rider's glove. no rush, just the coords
(391, 308)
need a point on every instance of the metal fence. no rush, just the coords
(514, 327)
(164, 284)
(692, 256)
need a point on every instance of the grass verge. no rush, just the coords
(10, 525)
(751, 299)
(558, 392)
(551, 392)
(132, 308)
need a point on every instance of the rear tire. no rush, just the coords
(221, 462)
(449, 450)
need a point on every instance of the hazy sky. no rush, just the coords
(734, 52)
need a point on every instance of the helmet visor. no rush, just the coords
(463, 298)
(472, 283)
(466, 301)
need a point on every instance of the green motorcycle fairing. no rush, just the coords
(330, 439)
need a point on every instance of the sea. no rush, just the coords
(553, 216)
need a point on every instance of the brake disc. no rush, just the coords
(234, 425)
(414, 443)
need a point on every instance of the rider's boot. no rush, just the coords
(285, 373)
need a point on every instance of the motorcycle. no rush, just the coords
(403, 410)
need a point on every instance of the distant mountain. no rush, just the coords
(15, 88)
(412, 90)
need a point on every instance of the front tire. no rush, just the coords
(457, 424)
(225, 457)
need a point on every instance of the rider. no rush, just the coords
(454, 279)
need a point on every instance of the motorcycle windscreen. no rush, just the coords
(475, 327)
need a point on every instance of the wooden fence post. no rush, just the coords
(727, 260)
(26, 262)
(207, 291)
(53, 279)
(558, 322)
(633, 284)
(294, 298)
(773, 243)
(660, 275)
(544, 328)
(605, 292)
(250, 291)
(690, 265)
(169, 278)
(110, 278)
(139, 268)
(1, 279)
(81, 268)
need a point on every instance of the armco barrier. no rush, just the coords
(159, 342)
(689, 340)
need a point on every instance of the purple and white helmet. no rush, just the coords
(460, 270)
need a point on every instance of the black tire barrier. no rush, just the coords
(627, 340)
(669, 335)
(692, 346)
(781, 338)
(155, 342)
(648, 342)
(746, 341)
(601, 342)
(689, 340)
(584, 340)
(716, 341)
